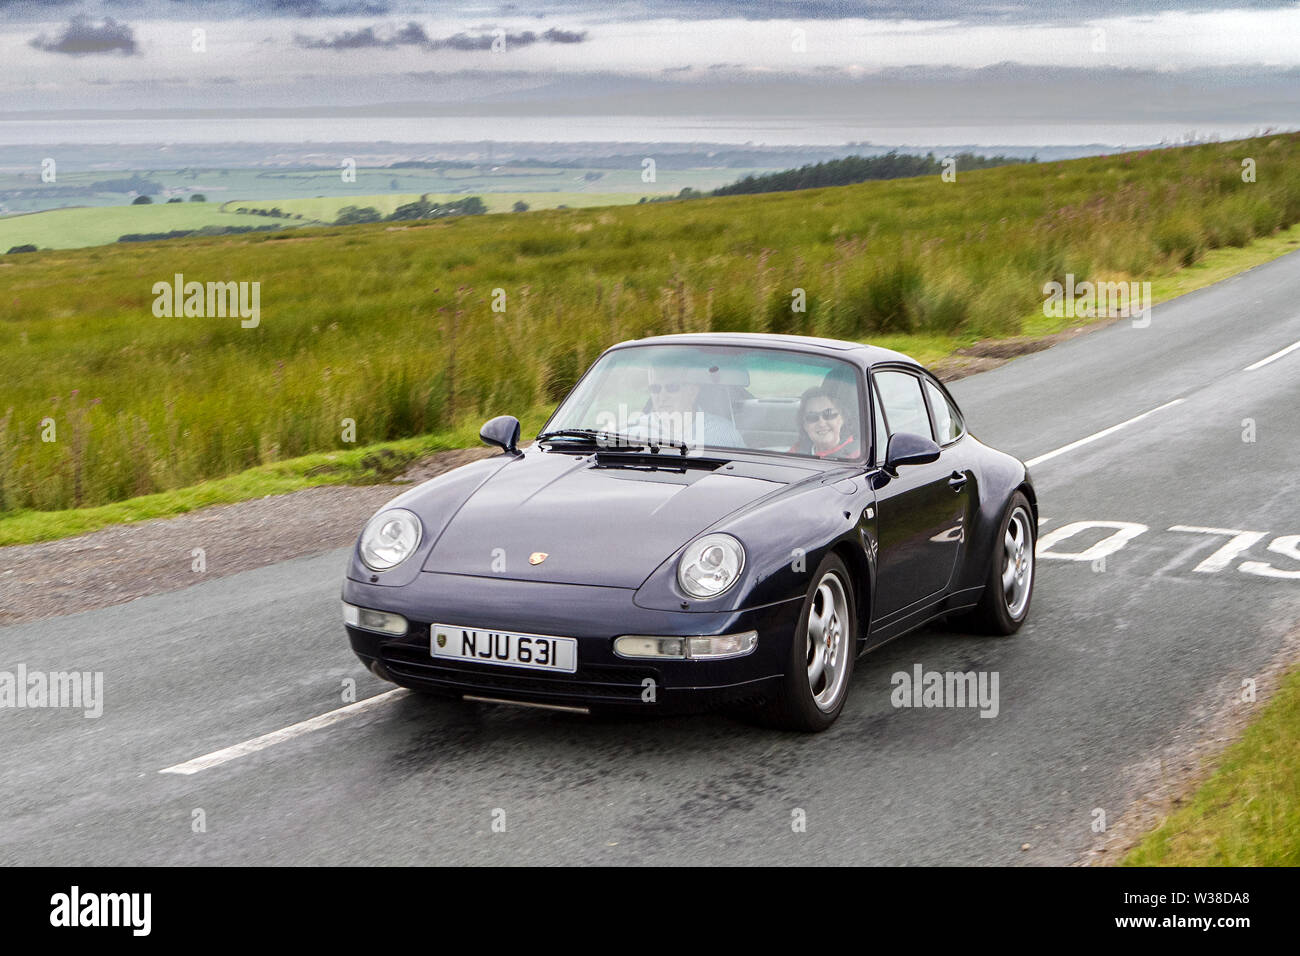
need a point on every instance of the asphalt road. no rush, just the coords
(1116, 660)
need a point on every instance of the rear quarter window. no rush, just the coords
(947, 420)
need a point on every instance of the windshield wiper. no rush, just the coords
(613, 441)
(679, 446)
(593, 436)
(654, 447)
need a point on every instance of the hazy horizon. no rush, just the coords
(779, 72)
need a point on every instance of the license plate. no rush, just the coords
(536, 651)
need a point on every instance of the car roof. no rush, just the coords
(860, 352)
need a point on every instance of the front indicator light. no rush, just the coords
(726, 645)
(717, 647)
(366, 619)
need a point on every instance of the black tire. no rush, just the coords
(995, 613)
(794, 707)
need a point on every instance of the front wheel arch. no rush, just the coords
(860, 571)
(1026, 489)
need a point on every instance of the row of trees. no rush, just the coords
(856, 169)
(201, 231)
(148, 200)
(422, 208)
(275, 212)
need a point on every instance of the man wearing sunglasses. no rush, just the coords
(676, 414)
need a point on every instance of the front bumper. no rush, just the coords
(595, 616)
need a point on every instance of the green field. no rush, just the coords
(25, 192)
(97, 225)
(474, 181)
(325, 209)
(393, 327)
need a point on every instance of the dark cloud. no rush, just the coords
(33, 6)
(484, 41)
(321, 8)
(564, 36)
(410, 35)
(414, 35)
(83, 36)
(242, 9)
(348, 40)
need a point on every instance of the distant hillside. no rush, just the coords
(859, 169)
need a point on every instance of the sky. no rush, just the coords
(1130, 70)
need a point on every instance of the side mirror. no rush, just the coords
(908, 449)
(502, 431)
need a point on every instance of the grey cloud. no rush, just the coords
(33, 6)
(83, 36)
(410, 35)
(321, 8)
(466, 41)
(242, 9)
(414, 35)
(564, 36)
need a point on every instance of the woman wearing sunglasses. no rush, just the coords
(822, 429)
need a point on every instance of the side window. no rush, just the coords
(882, 431)
(947, 420)
(904, 404)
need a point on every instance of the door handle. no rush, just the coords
(957, 480)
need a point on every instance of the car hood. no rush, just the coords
(597, 524)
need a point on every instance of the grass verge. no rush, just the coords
(369, 464)
(1248, 812)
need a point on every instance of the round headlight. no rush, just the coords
(390, 538)
(710, 565)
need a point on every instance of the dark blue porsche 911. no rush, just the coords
(709, 520)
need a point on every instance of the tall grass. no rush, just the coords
(393, 328)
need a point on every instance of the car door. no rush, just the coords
(921, 508)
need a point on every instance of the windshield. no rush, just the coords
(707, 396)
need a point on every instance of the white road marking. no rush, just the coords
(1101, 434)
(218, 757)
(1272, 358)
(1241, 541)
